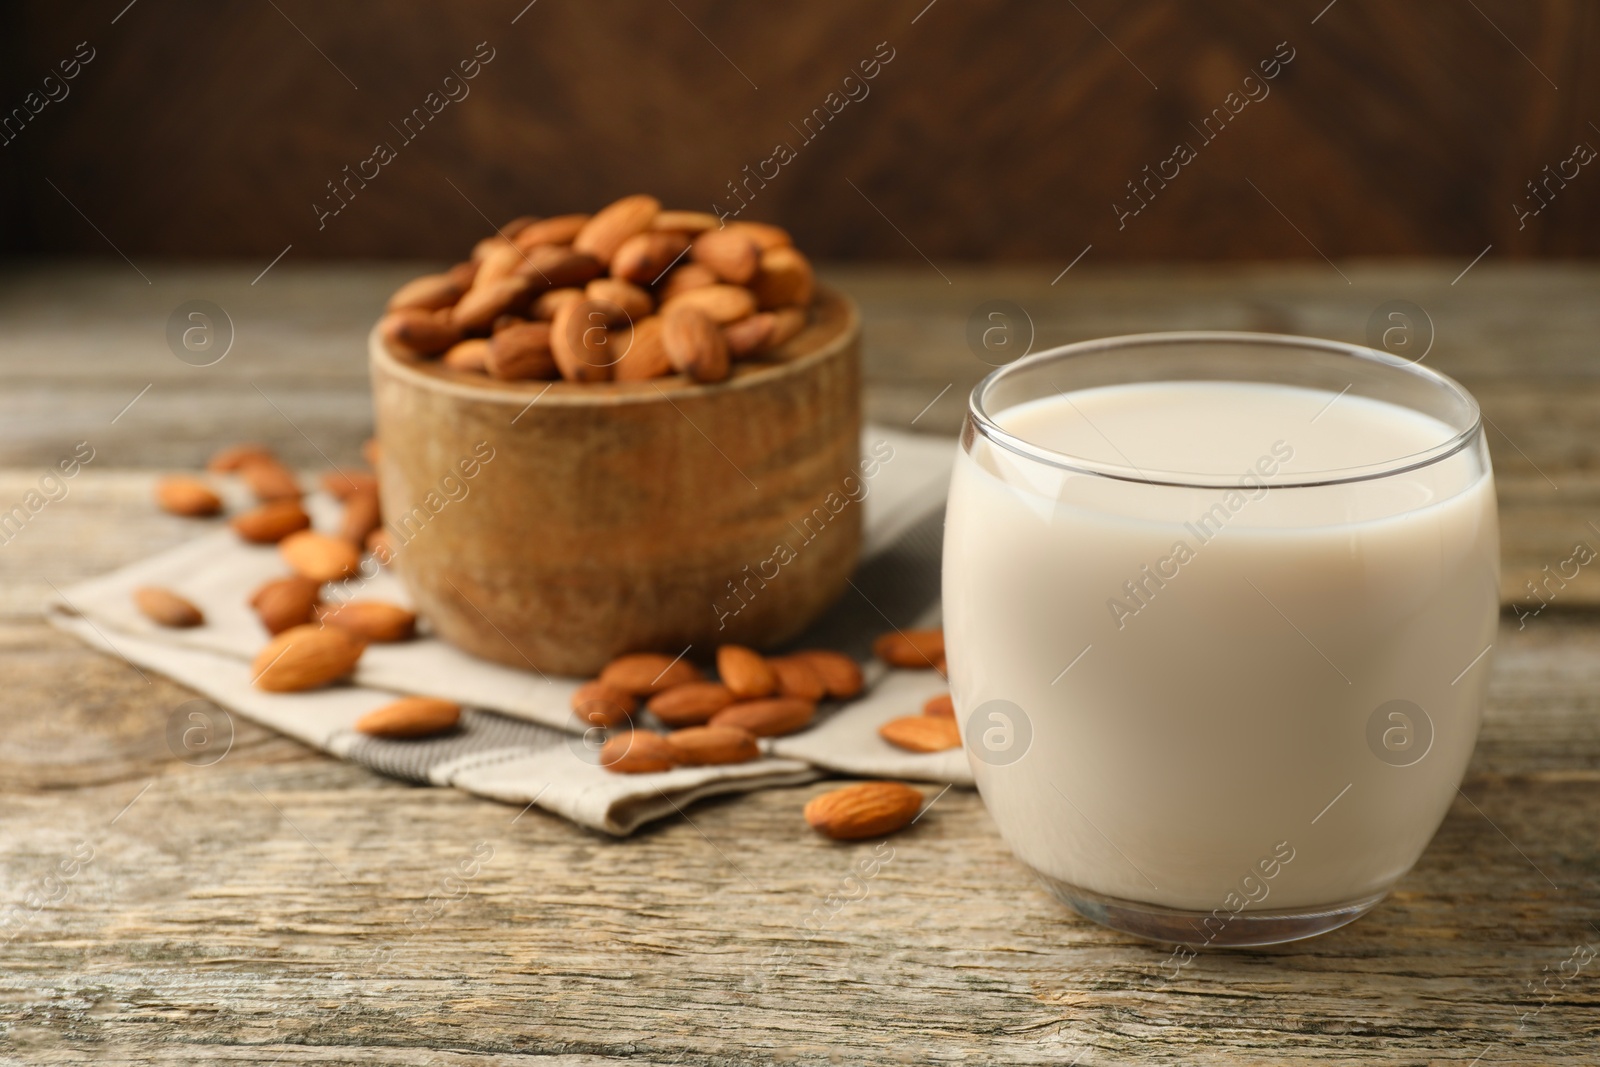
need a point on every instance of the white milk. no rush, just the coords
(1238, 642)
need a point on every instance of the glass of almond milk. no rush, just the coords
(1218, 609)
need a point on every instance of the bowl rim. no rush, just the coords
(561, 393)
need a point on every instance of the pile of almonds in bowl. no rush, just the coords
(629, 293)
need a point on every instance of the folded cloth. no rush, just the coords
(518, 740)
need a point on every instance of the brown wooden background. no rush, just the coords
(999, 131)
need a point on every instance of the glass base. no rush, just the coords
(1203, 929)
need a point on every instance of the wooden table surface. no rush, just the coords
(283, 907)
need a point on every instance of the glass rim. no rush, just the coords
(983, 423)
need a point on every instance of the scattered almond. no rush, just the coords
(644, 673)
(797, 678)
(637, 752)
(166, 608)
(410, 717)
(345, 484)
(181, 494)
(690, 704)
(599, 704)
(361, 516)
(841, 675)
(305, 657)
(371, 620)
(230, 459)
(271, 523)
(866, 809)
(746, 673)
(921, 733)
(942, 706)
(767, 718)
(910, 649)
(286, 602)
(270, 480)
(701, 746)
(320, 557)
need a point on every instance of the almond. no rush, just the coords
(646, 357)
(644, 257)
(767, 718)
(613, 224)
(685, 277)
(271, 523)
(786, 322)
(690, 704)
(286, 602)
(463, 274)
(305, 657)
(485, 302)
(547, 303)
(644, 673)
(230, 459)
(942, 706)
(686, 221)
(921, 733)
(912, 649)
(557, 230)
(319, 557)
(471, 355)
(346, 484)
(785, 279)
(181, 494)
(421, 332)
(505, 322)
(745, 672)
(749, 335)
(580, 342)
(764, 234)
(361, 517)
(513, 229)
(798, 678)
(599, 704)
(632, 303)
(270, 480)
(166, 608)
(427, 293)
(701, 746)
(637, 752)
(410, 717)
(377, 621)
(866, 809)
(731, 255)
(521, 352)
(693, 343)
(558, 267)
(840, 674)
(723, 303)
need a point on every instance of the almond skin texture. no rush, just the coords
(691, 704)
(767, 718)
(644, 256)
(910, 649)
(230, 459)
(921, 733)
(797, 678)
(557, 267)
(731, 255)
(410, 717)
(840, 674)
(704, 746)
(686, 221)
(942, 706)
(471, 355)
(613, 224)
(427, 293)
(646, 357)
(693, 343)
(270, 480)
(632, 303)
(421, 332)
(785, 279)
(361, 517)
(749, 335)
(599, 704)
(684, 277)
(556, 230)
(345, 484)
(637, 752)
(371, 620)
(786, 322)
(723, 303)
(271, 523)
(166, 608)
(284, 603)
(764, 234)
(580, 343)
(521, 352)
(319, 557)
(305, 657)
(181, 494)
(866, 809)
(746, 673)
(485, 302)
(547, 303)
(645, 673)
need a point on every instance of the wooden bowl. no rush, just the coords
(557, 525)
